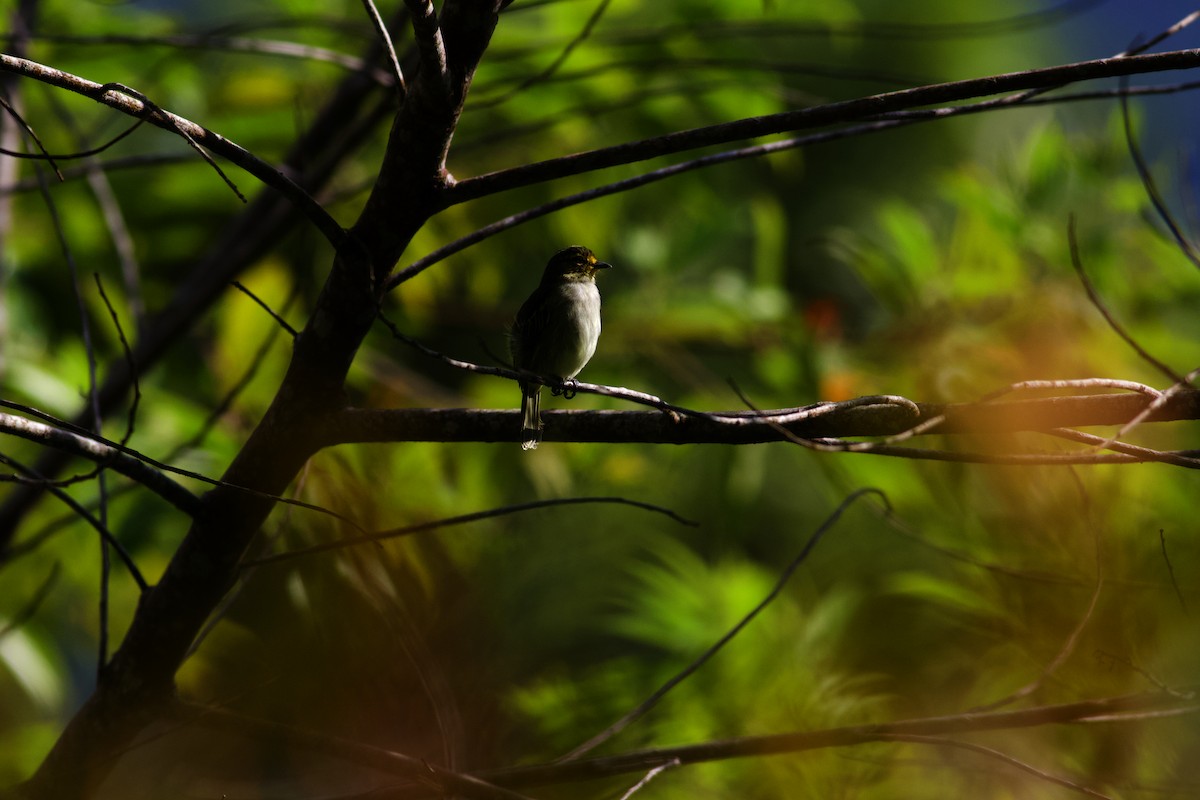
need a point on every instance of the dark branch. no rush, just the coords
(818, 116)
(650, 702)
(122, 101)
(748, 427)
(104, 453)
(409, 530)
(637, 761)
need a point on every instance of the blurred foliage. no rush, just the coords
(930, 261)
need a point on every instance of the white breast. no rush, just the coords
(584, 326)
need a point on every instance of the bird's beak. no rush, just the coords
(602, 265)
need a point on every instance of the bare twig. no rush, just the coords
(95, 449)
(886, 122)
(52, 157)
(649, 776)
(421, 527)
(615, 187)
(1098, 302)
(230, 44)
(1183, 694)
(86, 515)
(201, 432)
(126, 101)
(42, 154)
(650, 702)
(101, 465)
(818, 116)
(1165, 34)
(1069, 644)
(1128, 707)
(110, 208)
(30, 608)
(236, 389)
(129, 360)
(386, 40)
(553, 67)
(283, 323)
(121, 237)
(1162, 540)
(1189, 459)
(941, 741)
(857, 29)
(150, 108)
(105, 563)
(1149, 410)
(1156, 199)
(67, 437)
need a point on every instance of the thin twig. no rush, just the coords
(650, 702)
(385, 39)
(76, 440)
(886, 122)
(818, 116)
(101, 465)
(43, 154)
(1020, 459)
(463, 519)
(1069, 644)
(110, 208)
(1151, 408)
(1183, 694)
(93, 398)
(34, 540)
(105, 559)
(129, 361)
(649, 776)
(554, 66)
(1166, 34)
(125, 102)
(283, 323)
(1127, 707)
(30, 608)
(236, 389)
(941, 741)
(904, 530)
(1156, 199)
(149, 108)
(231, 44)
(588, 195)
(1162, 539)
(100, 528)
(76, 154)
(1098, 302)
(858, 29)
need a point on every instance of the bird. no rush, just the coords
(556, 331)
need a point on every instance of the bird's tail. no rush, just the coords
(531, 418)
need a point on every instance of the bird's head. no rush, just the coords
(573, 263)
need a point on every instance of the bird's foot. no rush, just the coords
(565, 390)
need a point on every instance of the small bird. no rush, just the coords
(556, 331)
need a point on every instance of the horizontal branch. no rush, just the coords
(1107, 709)
(749, 427)
(104, 454)
(129, 102)
(817, 116)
